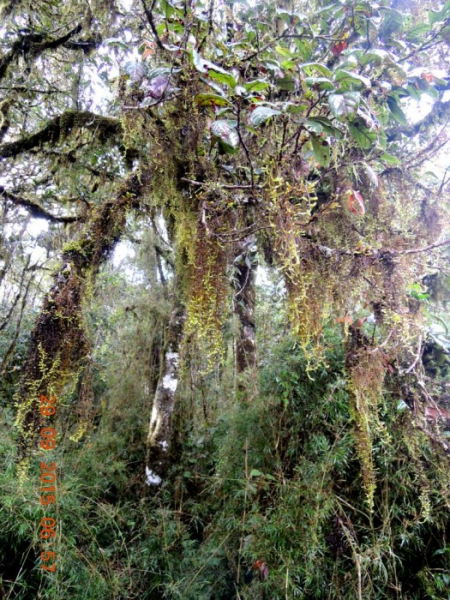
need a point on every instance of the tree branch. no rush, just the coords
(438, 115)
(60, 127)
(225, 186)
(425, 249)
(36, 210)
(34, 44)
(151, 22)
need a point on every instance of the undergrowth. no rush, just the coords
(264, 501)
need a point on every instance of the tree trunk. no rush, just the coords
(58, 342)
(244, 306)
(158, 439)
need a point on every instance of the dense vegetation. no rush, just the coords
(225, 252)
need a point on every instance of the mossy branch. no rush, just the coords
(36, 210)
(60, 127)
(34, 44)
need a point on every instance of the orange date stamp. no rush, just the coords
(48, 486)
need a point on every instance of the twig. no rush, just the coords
(222, 185)
(384, 343)
(243, 144)
(426, 45)
(425, 249)
(37, 210)
(149, 15)
(211, 25)
(19, 293)
(247, 277)
(286, 35)
(416, 360)
(444, 181)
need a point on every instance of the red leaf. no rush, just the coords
(428, 77)
(356, 203)
(263, 569)
(339, 48)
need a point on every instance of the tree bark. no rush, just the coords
(244, 307)
(158, 439)
(58, 342)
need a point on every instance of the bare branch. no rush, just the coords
(151, 22)
(36, 210)
(425, 249)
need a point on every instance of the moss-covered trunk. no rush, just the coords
(244, 307)
(58, 342)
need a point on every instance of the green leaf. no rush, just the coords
(168, 8)
(396, 111)
(344, 105)
(352, 78)
(321, 151)
(414, 92)
(288, 64)
(291, 18)
(309, 68)
(256, 86)
(322, 125)
(377, 57)
(445, 34)
(283, 51)
(215, 86)
(432, 92)
(389, 159)
(214, 71)
(211, 100)
(418, 32)
(224, 131)
(262, 114)
(285, 83)
(135, 70)
(393, 22)
(223, 77)
(366, 138)
(116, 42)
(304, 49)
(161, 71)
(437, 16)
(256, 473)
(319, 83)
(295, 109)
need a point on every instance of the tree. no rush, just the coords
(277, 132)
